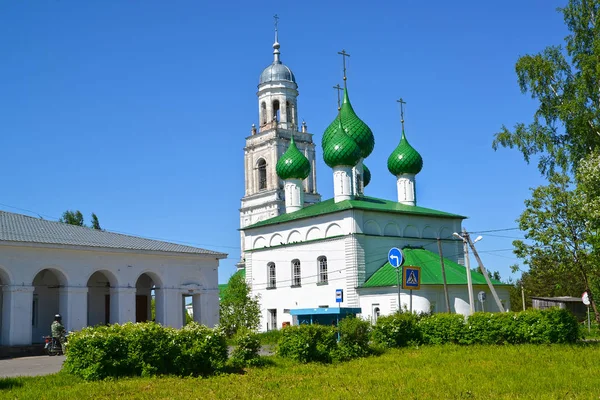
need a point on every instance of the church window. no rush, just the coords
(376, 312)
(272, 323)
(276, 114)
(296, 273)
(263, 113)
(272, 282)
(262, 174)
(323, 277)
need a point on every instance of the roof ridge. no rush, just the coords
(109, 236)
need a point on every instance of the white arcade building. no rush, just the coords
(297, 250)
(96, 277)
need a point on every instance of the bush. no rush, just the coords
(247, 347)
(442, 328)
(397, 330)
(354, 338)
(531, 326)
(270, 337)
(145, 349)
(308, 343)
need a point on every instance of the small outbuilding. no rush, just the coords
(573, 304)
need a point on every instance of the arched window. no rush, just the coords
(296, 273)
(322, 262)
(272, 277)
(262, 174)
(276, 114)
(376, 313)
(263, 113)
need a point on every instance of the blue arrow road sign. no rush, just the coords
(395, 257)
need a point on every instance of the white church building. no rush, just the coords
(297, 250)
(96, 277)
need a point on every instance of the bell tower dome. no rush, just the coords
(264, 195)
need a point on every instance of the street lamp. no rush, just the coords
(465, 241)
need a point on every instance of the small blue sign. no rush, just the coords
(395, 257)
(411, 277)
(339, 295)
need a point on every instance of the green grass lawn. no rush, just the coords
(434, 372)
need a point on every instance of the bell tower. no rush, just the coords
(277, 122)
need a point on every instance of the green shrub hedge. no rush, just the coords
(247, 348)
(397, 330)
(442, 328)
(531, 326)
(354, 339)
(308, 343)
(145, 349)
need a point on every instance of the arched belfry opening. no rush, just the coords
(263, 113)
(289, 115)
(47, 301)
(262, 174)
(276, 111)
(99, 299)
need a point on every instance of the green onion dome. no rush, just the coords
(366, 175)
(340, 149)
(353, 126)
(404, 159)
(293, 164)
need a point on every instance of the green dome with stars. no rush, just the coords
(340, 149)
(366, 175)
(404, 159)
(293, 164)
(353, 126)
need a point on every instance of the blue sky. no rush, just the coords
(138, 110)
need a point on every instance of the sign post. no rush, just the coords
(586, 300)
(481, 296)
(411, 279)
(396, 259)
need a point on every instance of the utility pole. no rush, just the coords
(465, 238)
(439, 242)
(485, 275)
(523, 295)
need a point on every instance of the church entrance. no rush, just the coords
(141, 308)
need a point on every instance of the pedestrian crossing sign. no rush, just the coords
(411, 277)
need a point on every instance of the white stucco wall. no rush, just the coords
(429, 298)
(356, 244)
(39, 282)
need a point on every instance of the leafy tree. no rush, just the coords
(95, 222)
(565, 82)
(239, 309)
(76, 218)
(556, 223)
(562, 217)
(72, 218)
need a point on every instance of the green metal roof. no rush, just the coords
(293, 164)
(341, 149)
(362, 203)
(431, 271)
(404, 159)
